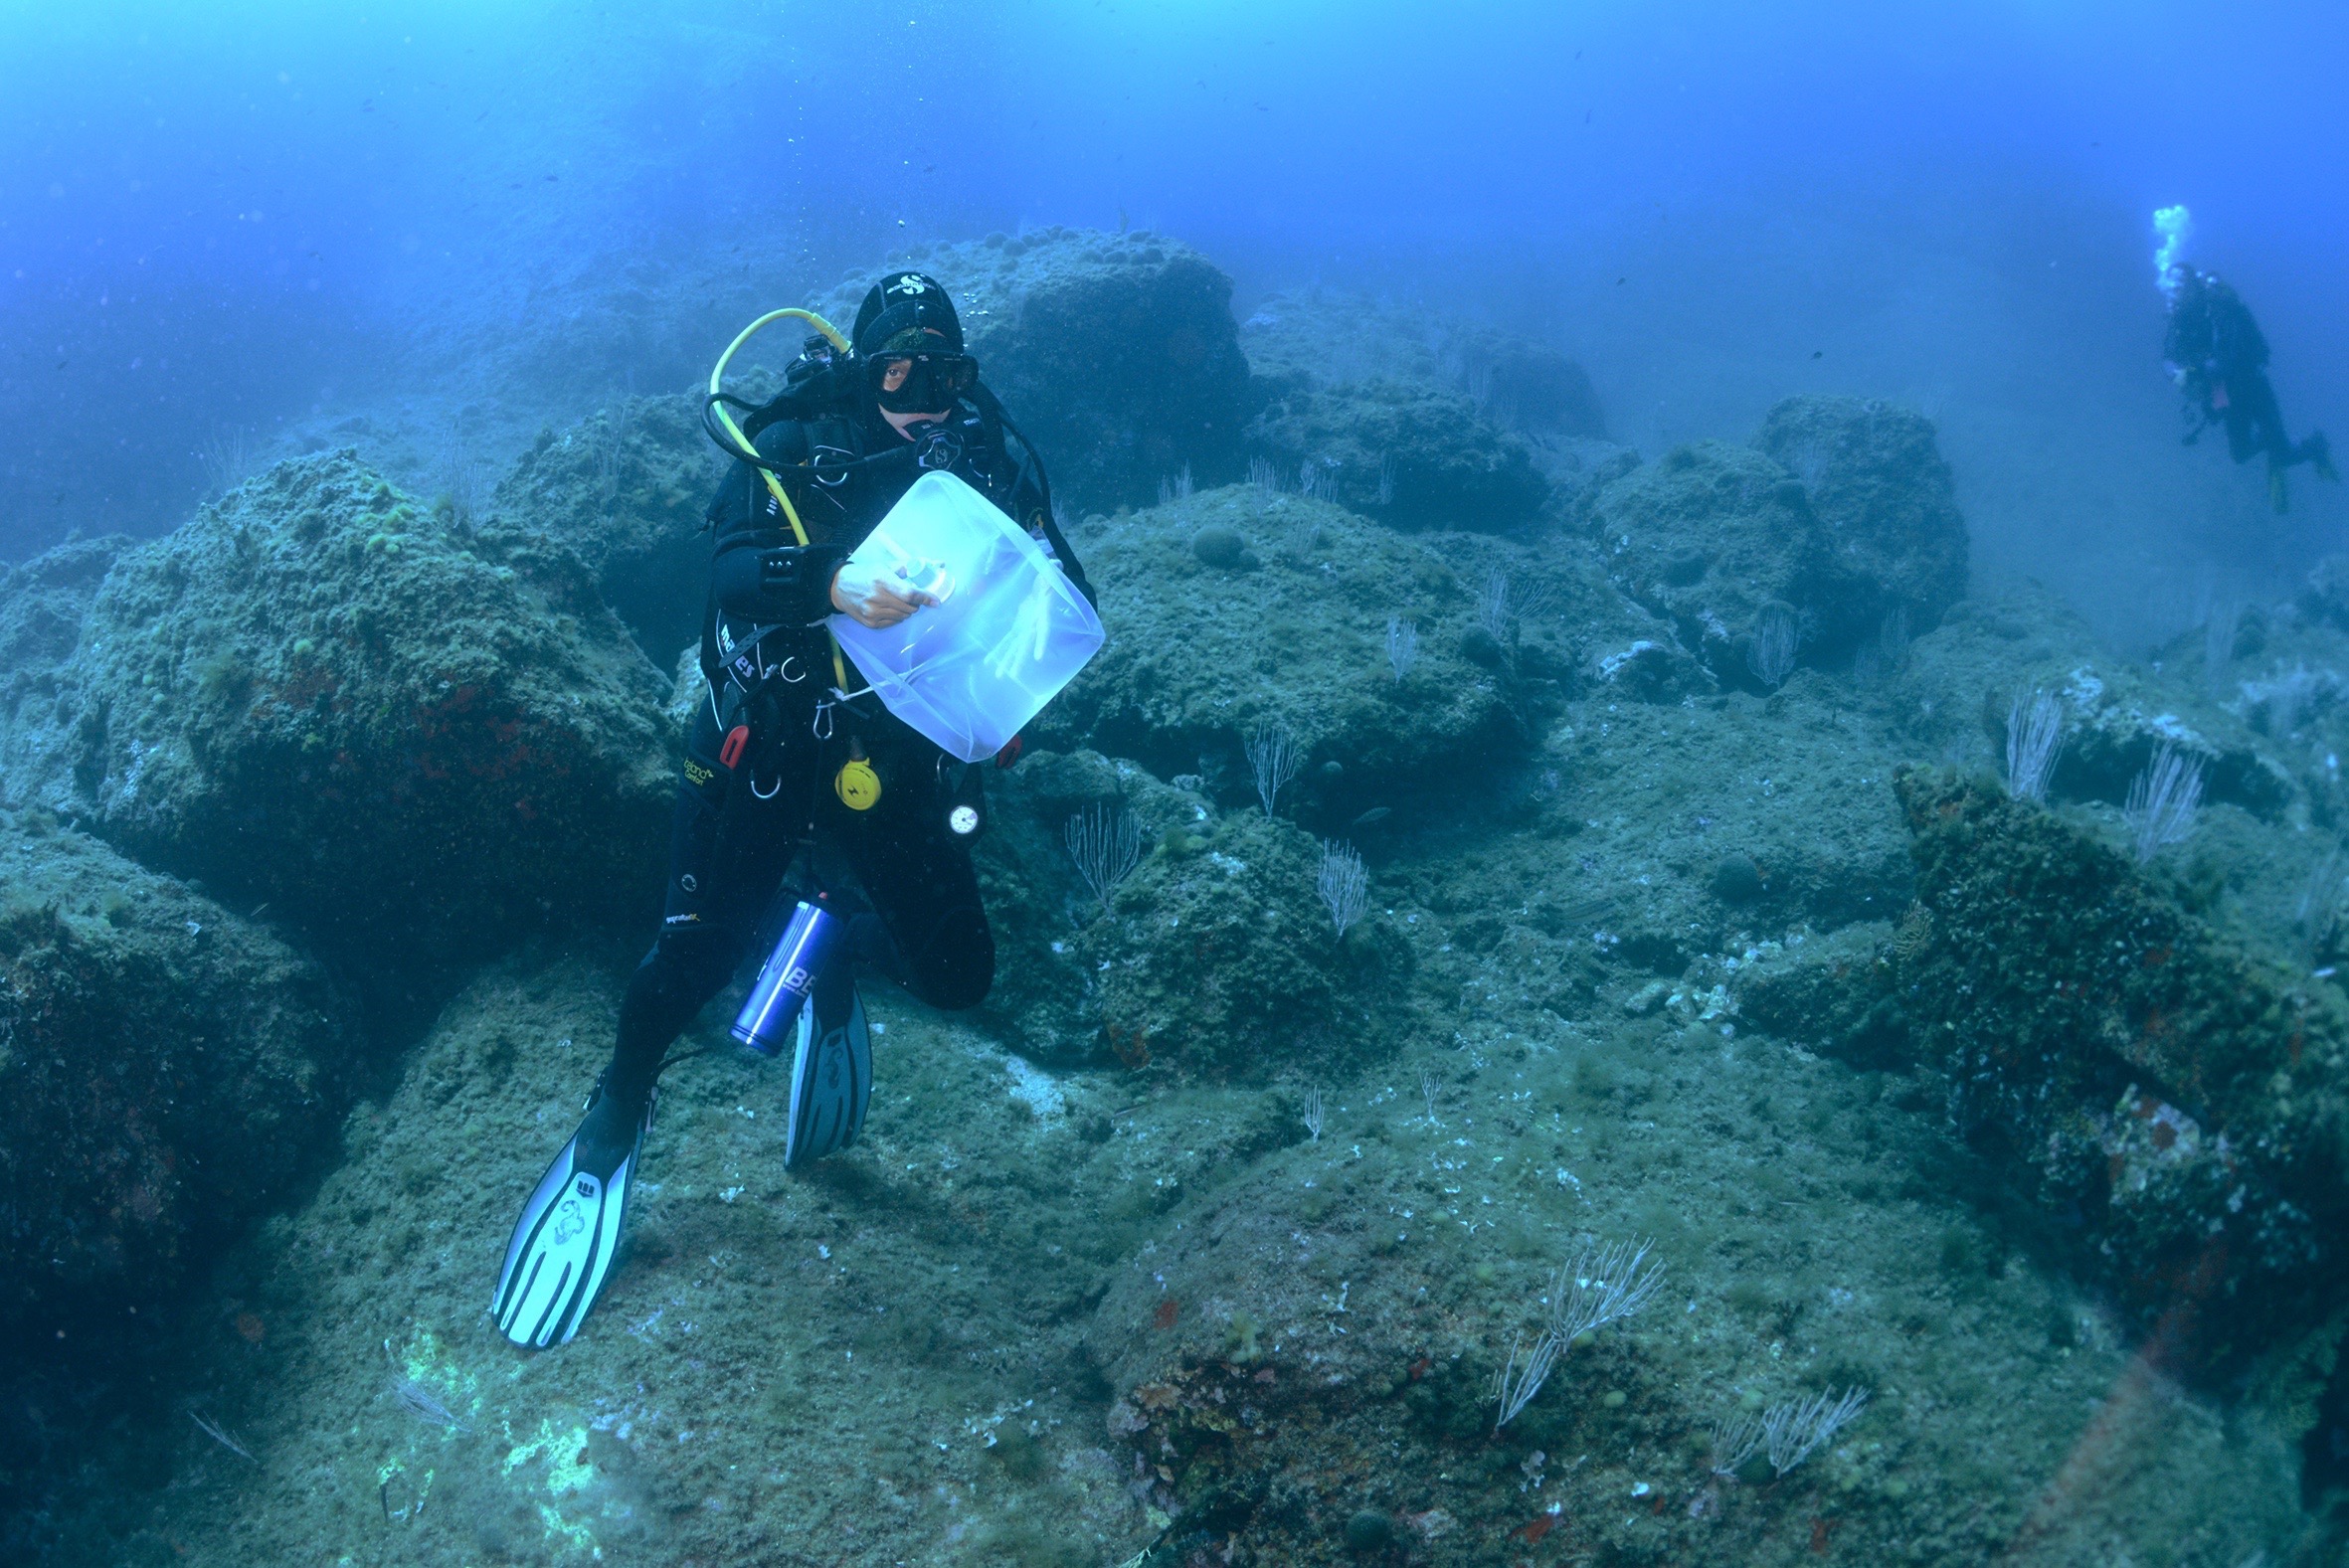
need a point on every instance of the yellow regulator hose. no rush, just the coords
(742, 443)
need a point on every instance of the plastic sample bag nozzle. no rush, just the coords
(1008, 629)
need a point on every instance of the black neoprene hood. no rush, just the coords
(905, 312)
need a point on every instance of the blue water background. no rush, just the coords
(242, 216)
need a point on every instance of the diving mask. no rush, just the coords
(920, 383)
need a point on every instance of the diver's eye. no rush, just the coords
(894, 373)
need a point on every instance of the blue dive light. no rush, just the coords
(772, 1008)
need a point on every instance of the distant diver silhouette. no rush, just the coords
(2218, 356)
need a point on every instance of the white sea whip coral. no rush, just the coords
(1606, 1281)
(1795, 1429)
(2034, 738)
(1105, 844)
(2163, 801)
(1274, 760)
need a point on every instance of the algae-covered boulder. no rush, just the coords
(1325, 336)
(1878, 485)
(1840, 993)
(1209, 950)
(1363, 646)
(1046, 997)
(1421, 419)
(624, 489)
(2189, 1104)
(42, 603)
(1529, 386)
(1517, 380)
(1963, 680)
(1718, 540)
(1411, 454)
(403, 734)
(167, 1071)
(1291, 1318)
(1116, 352)
(1357, 1295)
(1835, 531)
(1674, 844)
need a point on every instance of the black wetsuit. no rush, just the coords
(2217, 351)
(742, 816)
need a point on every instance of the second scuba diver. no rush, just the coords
(793, 789)
(2218, 356)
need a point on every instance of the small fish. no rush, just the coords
(420, 1400)
(1377, 813)
(1584, 910)
(424, 1406)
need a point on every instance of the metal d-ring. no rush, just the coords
(769, 793)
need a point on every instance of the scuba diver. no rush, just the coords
(2219, 359)
(795, 788)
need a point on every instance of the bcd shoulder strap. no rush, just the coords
(813, 386)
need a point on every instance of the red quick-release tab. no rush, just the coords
(730, 750)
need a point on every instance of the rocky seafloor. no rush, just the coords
(1699, 913)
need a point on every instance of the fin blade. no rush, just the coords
(602, 1249)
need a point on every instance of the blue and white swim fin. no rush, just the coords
(564, 1243)
(831, 1070)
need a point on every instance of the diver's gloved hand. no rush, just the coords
(876, 596)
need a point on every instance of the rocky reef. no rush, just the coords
(1117, 352)
(42, 603)
(1408, 455)
(1833, 537)
(1212, 950)
(1239, 609)
(168, 1069)
(1872, 474)
(1419, 420)
(2186, 1103)
(1720, 544)
(1517, 380)
(408, 734)
(624, 490)
(1429, 901)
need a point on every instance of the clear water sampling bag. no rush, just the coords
(1008, 629)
